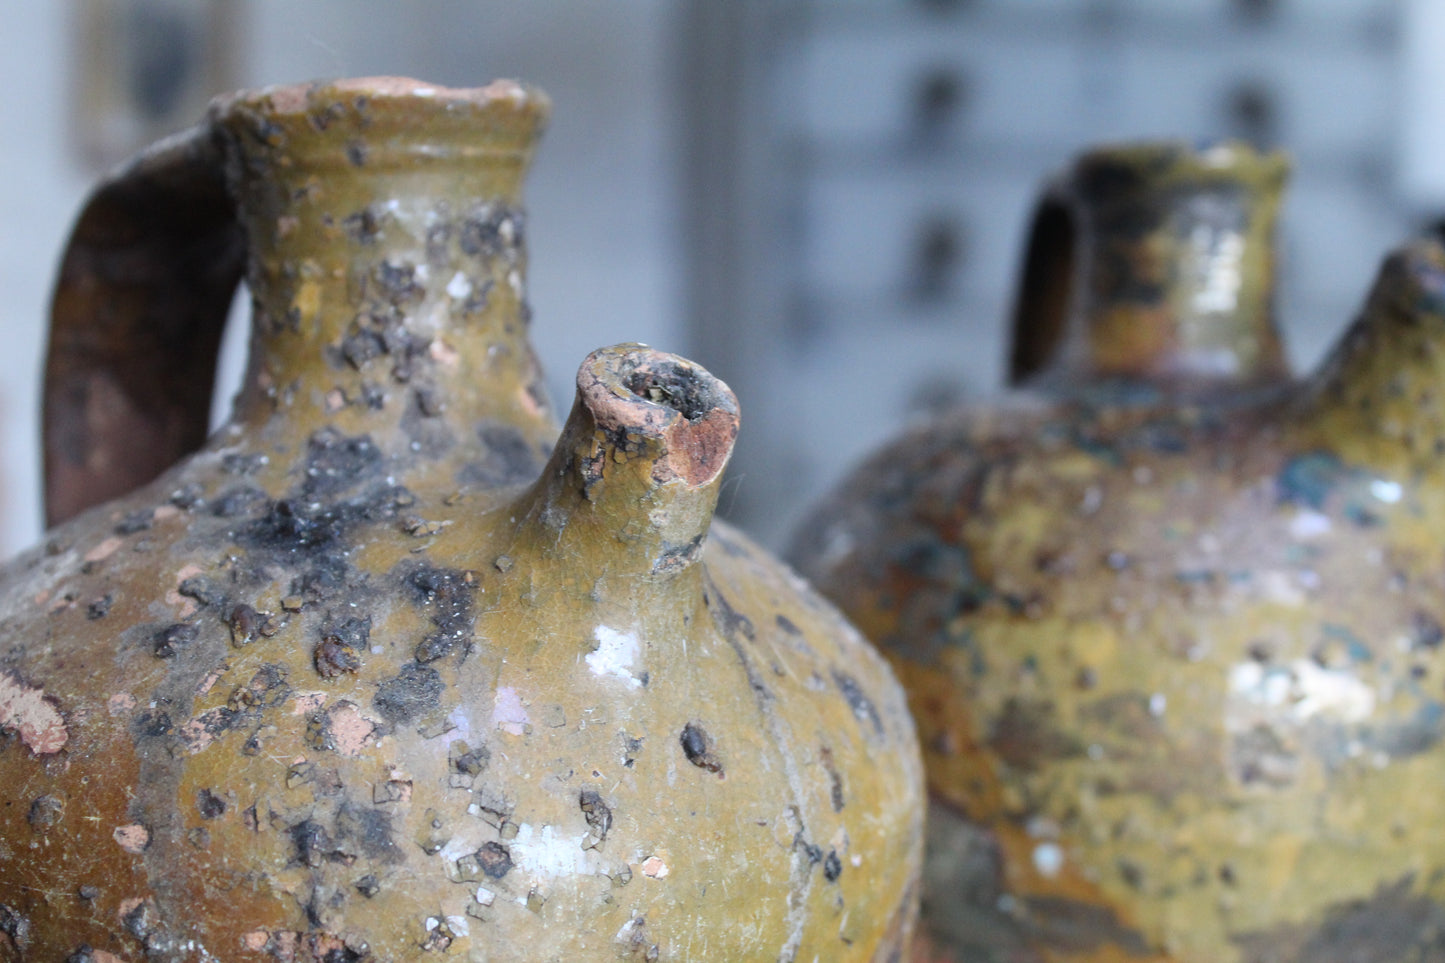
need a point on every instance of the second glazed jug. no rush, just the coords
(1171, 622)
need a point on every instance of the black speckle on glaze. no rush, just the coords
(210, 805)
(1426, 631)
(45, 812)
(362, 227)
(336, 463)
(835, 779)
(430, 436)
(495, 860)
(312, 844)
(16, 926)
(136, 521)
(631, 749)
(730, 620)
(140, 921)
(361, 345)
(468, 761)
(99, 608)
(505, 459)
(203, 590)
(152, 724)
(596, 811)
(858, 701)
(291, 527)
(370, 829)
(410, 694)
(1393, 924)
(187, 497)
(237, 501)
(697, 745)
(481, 232)
(447, 595)
(674, 558)
(169, 640)
(333, 658)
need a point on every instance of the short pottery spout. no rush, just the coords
(1379, 398)
(639, 463)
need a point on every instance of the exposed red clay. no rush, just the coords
(32, 715)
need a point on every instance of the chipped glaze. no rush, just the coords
(386, 669)
(1172, 638)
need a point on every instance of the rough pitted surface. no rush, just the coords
(375, 680)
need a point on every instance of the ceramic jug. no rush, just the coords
(1170, 621)
(386, 668)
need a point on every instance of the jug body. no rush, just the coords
(1170, 642)
(386, 667)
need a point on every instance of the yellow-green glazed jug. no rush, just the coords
(385, 670)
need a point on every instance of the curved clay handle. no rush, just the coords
(140, 304)
(1041, 306)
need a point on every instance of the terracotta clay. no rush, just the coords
(1172, 633)
(381, 671)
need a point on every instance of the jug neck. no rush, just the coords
(387, 266)
(1154, 263)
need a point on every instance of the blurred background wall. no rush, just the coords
(822, 200)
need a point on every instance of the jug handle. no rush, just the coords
(1041, 305)
(141, 300)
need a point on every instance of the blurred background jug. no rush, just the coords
(1171, 621)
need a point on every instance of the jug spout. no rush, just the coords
(634, 477)
(1377, 399)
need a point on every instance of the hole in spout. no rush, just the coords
(688, 418)
(674, 386)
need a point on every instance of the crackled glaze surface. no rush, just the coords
(381, 672)
(1175, 657)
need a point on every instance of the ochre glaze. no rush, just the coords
(382, 673)
(1175, 657)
